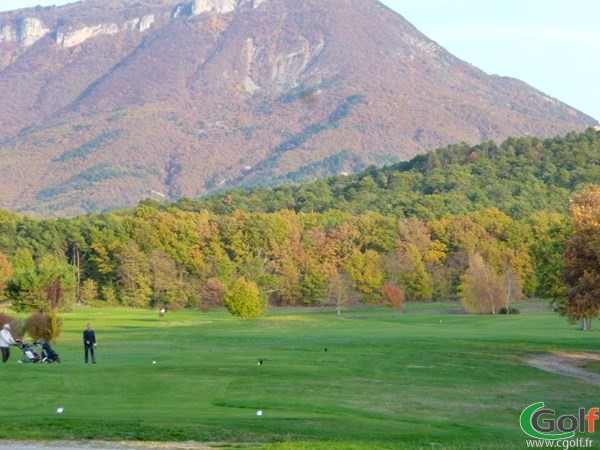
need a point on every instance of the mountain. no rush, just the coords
(106, 102)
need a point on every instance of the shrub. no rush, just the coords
(45, 326)
(245, 300)
(393, 296)
(509, 310)
(17, 328)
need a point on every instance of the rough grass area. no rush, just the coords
(429, 378)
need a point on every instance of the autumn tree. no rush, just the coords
(289, 292)
(167, 280)
(6, 272)
(245, 300)
(212, 293)
(405, 266)
(393, 296)
(367, 274)
(302, 277)
(481, 288)
(134, 279)
(416, 281)
(416, 256)
(582, 256)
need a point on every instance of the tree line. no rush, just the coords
(186, 259)
(239, 246)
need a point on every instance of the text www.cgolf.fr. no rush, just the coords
(561, 443)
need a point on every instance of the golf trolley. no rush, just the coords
(30, 355)
(48, 354)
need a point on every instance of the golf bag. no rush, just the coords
(48, 354)
(29, 353)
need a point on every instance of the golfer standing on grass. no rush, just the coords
(6, 340)
(89, 342)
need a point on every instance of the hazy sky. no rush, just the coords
(554, 45)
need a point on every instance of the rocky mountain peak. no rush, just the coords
(107, 102)
(26, 30)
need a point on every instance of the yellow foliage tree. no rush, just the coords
(481, 289)
(6, 271)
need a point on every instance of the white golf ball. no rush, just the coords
(153, 362)
(60, 410)
(259, 412)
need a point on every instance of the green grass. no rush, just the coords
(426, 379)
(592, 367)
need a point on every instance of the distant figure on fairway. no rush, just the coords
(89, 342)
(6, 340)
(162, 311)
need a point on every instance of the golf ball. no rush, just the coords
(259, 412)
(153, 362)
(60, 410)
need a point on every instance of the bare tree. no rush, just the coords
(512, 289)
(339, 290)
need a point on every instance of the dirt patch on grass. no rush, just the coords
(569, 364)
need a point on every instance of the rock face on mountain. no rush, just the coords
(107, 102)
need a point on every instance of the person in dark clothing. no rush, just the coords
(89, 342)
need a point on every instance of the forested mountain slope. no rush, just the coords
(520, 176)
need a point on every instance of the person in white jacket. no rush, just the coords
(6, 340)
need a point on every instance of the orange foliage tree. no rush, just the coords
(582, 256)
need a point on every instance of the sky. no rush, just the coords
(553, 45)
